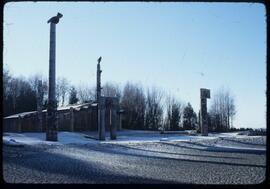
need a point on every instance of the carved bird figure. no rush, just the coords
(55, 19)
(99, 59)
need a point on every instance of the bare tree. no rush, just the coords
(168, 116)
(21, 96)
(111, 89)
(6, 82)
(229, 108)
(133, 102)
(9, 96)
(85, 93)
(174, 113)
(15, 85)
(222, 110)
(63, 87)
(33, 81)
(45, 88)
(154, 108)
(57, 91)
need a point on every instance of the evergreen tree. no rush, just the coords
(73, 96)
(175, 119)
(190, 118)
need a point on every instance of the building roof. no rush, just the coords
(75, 107)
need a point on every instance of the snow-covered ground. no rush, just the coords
(231, 134)
(81, 138)
(135, 157)
(149, 138)
(40, 138)
(216, 141)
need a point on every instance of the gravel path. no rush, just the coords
(160, 162)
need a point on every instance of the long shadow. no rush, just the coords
(163, 152)
(92, 172)
(195, 143)
(241, 142)
(220, 149)
(111, 151)
(88, 172)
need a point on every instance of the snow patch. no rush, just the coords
(239, 148)
(11, 142)
(40, 138)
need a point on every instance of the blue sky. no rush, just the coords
(166, 45)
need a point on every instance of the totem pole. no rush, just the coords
(51, 129)
(205, 93)
(101, 105)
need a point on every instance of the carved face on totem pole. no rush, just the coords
(205, 93)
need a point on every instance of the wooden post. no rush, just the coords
(101, 118)
(20, 124)
(71, 119)
(113, 115)
(120, 122)
(120, 118)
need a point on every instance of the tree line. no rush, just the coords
(145, 109)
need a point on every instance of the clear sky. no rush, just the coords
(167, 45)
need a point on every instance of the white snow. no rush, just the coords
(20, 114)
(231, 134)
(149, 138)
(11, 142)
(238, 148)
(40, 138)
(79, 138)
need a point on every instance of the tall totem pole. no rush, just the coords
(98, 91)
(51, 129)
(205, 93)
(101, 105)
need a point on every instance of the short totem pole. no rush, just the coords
(205, 93)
